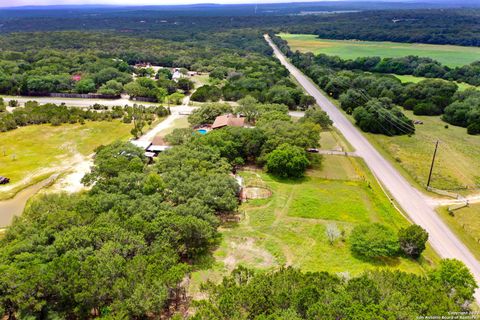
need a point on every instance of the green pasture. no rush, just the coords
(449, 55)
(409, 78)
(465, 223)
(457, 165)
(289, 227)
(29, 154)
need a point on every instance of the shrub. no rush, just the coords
(410, 103)
(426, 109)
(85, 86)
(13, 103)
(474, 128)
(412, 240)
(112, 87)
(207, 93)
(373, 241)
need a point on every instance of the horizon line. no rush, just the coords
(252, 2)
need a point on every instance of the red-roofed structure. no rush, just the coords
(228, 120)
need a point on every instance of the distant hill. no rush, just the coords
(210, 9)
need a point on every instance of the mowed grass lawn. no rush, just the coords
(465, 223)
(449, 55)
(457, 165)
(289, 227)
(34, 151)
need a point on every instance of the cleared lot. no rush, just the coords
(29, 154)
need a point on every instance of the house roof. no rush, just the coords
(141, 144)
(159, 141)
(176, 75)
(228, 120)
(154, 148)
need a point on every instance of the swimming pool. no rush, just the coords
(202, 131)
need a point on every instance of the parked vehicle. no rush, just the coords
(4, 180)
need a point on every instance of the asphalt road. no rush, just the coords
(445, 243)
(76, 102)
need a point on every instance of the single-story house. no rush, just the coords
(158, 145)
(228, 120)
(141, 144)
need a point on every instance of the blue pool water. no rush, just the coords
(202, 131)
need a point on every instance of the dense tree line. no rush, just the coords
(121, 249)
(288, 294)
(46, 71)
(381, 116)
(264, 79)
(465, 111)
(458, 27)
(63, 69)
(100, 63)
(372, 98)
(411, 65)
(354, 88)
(436, 26)
(35, 113)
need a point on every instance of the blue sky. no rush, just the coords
(14, 3)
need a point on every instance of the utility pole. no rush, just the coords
(431, 167)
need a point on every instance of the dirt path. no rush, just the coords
(71, 181)
(166, 123)
(76, 102)
(435, 202)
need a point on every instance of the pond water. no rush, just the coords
(14, 207)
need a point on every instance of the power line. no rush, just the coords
(392, 119)
(433, 162)
(399, 122)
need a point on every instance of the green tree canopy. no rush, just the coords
(318, 116)
(373, 241)
(457, 279)
(84, 86)
(291, 294)
(412, 240)
(111, 87)
(208, 112)
(287, 161)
